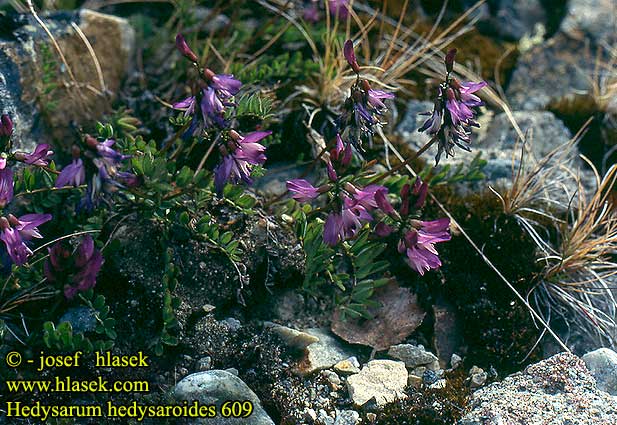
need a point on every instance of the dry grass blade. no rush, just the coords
(580, 277)
(592, 235)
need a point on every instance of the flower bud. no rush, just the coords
(449, 60)
(6, 126)
(351, 56)
(184, 48)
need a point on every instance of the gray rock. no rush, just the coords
(514, 19)
(429, 377)
(382, 380)
(455, 361)
(412, 355)
(217, 387)
(233, 371)
(205, 363)
(439, 384)
(322, 354)
(602, 363)
(204, 14)
(347, 417)
(232, 323)
(448, 335)
(310, 414)
(332, 378)
(324, 419)
(556, 391)
(500, 139)
(82, 319)
(594, 19)
(274, 182)
(412, 121)
(414, 381)
(348, 366)
(550, 71)
(292, 337)
(477, 377)
(288, 305)
(39, 113)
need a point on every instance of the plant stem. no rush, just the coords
(406, 162)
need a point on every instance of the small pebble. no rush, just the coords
(455, 361)
(205, 363)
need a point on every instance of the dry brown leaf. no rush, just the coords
(397, 317)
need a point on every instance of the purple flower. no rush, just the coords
(27, 225)
(343, 226)
(342, 152)
(361, 113)
(110, 156)
(375, 99)
(332, 229)
(6, 186)
(339, 8)
(240, 156)
(15, 246)
(383, 204)
(187, 105)
(128, 179)
(418, 244)
(302, 190)
(212, 108)
(353, 214)
(15, 231)
(76, 270)
(350, 55)
(184, 48)
(73, 174)
(433, 124)
(452, 117)
(459, 112)
(39, 157)
(331, 171)
(6, 126)
(467, 90)
(226, 85)
(366, 196)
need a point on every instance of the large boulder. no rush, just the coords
(47, 97)
(603, 366)
(557, 391)
(217, 387)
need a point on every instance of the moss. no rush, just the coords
(430, 406)
(497, 330)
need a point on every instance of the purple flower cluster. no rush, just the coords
(240, 154)
(15, 232)
(363, 109)
(100, 168)
(207, 107)
(213, 94)
(351, 207)
(417, 238)
(76, 270)
(453, 116)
